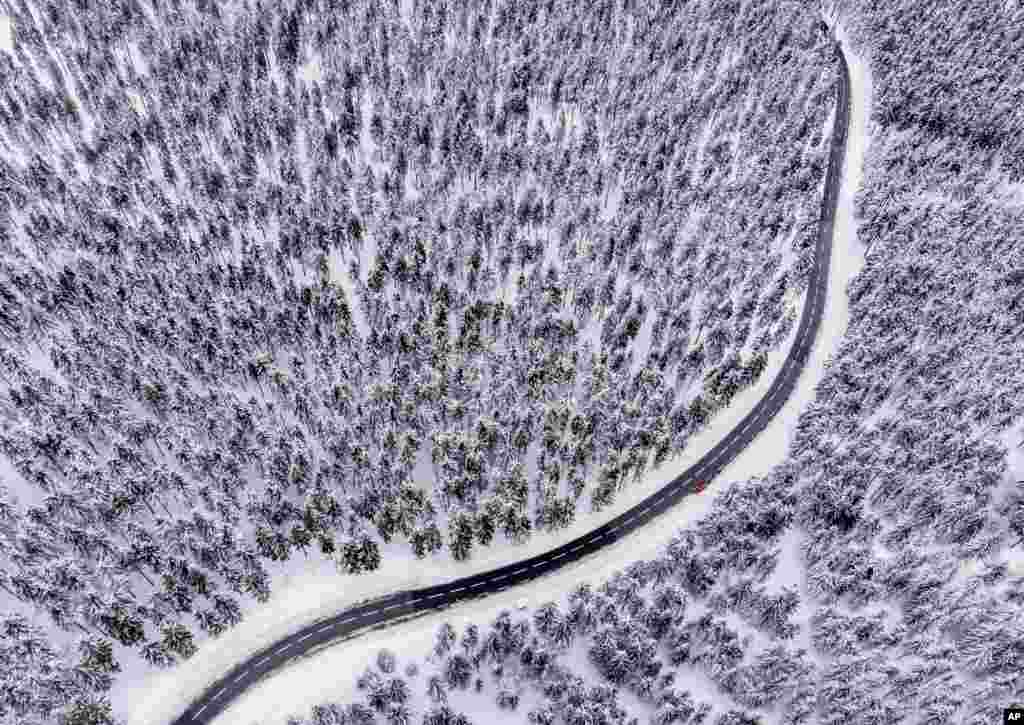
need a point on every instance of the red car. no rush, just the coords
(699, 485)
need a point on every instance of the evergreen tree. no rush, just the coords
(470, 639)
(88, 712)
(458, 671)
(97, 665)
(436, 690)
(461, 536)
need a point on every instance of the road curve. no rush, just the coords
(403, 604)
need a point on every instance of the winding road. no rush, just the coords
(405, 604)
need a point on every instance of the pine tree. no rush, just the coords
(543, 715)
(436, 690)
(516, 526)
(118, 623)
(272, 544)
(178, 639)
(360, 555)
(97, 664)
(458, 671)
(546, 617)
(386, 661)
(470, 639)
(300, 538)
(89, 712)
(426, 540)
(484, 524)
(398, 713)
(444, 639)
(461, 536)
(157, 654)
(738, 717)
(507, 699)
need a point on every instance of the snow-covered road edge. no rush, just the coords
(310, 595)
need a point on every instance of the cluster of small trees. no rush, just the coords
(635, 631)
(638, 636)
(770, 613)
(38, 687)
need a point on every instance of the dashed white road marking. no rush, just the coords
(519, 571)
(460, 589)
(326, 627)
(219, 693)
(577, 547)
(499, 578)
(305, 637)
(283, 647)
(199, 712)
(538, 564)
(240, 675)
(393, 606)
(370, 611)
(595, 537)
(260, 662)
(436, 596)
(478, 584)
(558, 556)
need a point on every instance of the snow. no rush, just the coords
(6, 34)
(136, 102)
(1014, 442)
(312, 72)
(137, 59)
(20, 489)
(789, 573)
(313, 591)
(480, 706)
(1011, 195)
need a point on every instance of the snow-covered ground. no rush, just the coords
(316, 591)
(6, 34)
(1014, 441)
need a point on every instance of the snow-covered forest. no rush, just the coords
(358, 280)
(878, 575)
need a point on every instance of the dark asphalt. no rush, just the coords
(403, 604)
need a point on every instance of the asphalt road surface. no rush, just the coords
(403, 604)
